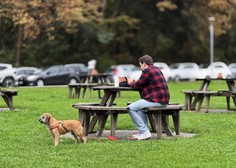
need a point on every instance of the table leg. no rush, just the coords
(70, 92)
(188, 101)
(165, 125)
(93, 123)
(99, 94)
(9, 101)
(158, 121)
(102, 122)
(195, 101)
(228, 102)
(200, 100)
(87, 120)
(111, 99)
(84, 90)
(232, 87)
(81, 117)
(152, 122)
(205, 84)
(176, 121)
(207, 103)
(114, 118)
(90, 92)
(105, 98)
(77, 91)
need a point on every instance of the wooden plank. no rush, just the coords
(168, 107)
(116, 108)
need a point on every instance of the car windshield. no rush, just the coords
(2, 68)
(37, 72)
(26, 72)
(174, 66)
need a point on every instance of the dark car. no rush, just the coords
(80, 69)
(23, 72)
(54, 75)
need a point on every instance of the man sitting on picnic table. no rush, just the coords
(154, 93)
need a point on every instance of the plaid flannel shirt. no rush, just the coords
(153, 85)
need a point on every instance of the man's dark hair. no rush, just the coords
(146, 59)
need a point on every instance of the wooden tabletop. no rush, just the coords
(114, 88)
(226, 79)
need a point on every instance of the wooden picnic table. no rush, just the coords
(105, 108)
(194, 98)
(86, 82)
(101, 78)
(75, 89)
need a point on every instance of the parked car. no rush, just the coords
(121, 70)
(80, 69)
(184, 71)
(54, 75)
(7, 75)
(165, 69)
(23, 72)
(215, 70)
(232, 68)
(161, 65)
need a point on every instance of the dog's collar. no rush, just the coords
(56, 126)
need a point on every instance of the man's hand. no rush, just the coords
(130, 81)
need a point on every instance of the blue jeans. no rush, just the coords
(138, 114)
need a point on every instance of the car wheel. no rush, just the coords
(168, 79)
(8, 82)
(176, 79)
(40, 82)
(72, 81)
(228, 77)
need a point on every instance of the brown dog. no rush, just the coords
(57, 128)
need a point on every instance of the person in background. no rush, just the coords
(154, 92)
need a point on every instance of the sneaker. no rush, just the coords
(136, 135)
(145, 135)
(133, 137)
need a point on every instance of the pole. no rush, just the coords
(211, 43)
(211, 19)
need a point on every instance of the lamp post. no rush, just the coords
(211, 19)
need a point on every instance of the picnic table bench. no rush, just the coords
(195, 98)
(7, 96)
(199, 96)
(158, 117)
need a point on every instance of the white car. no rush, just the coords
(232, 68)
(122, 70)
(184, 71)
(215, 70)
(7, 75)
(161, 65)
(165, 69)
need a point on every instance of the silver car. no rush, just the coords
(7, 75)
(184, 71)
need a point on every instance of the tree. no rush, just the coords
(195, 14)
(31, 17)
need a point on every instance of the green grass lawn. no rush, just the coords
(25, 142)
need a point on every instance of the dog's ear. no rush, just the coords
(47, 114)
(47, 118)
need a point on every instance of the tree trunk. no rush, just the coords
(18, 44)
